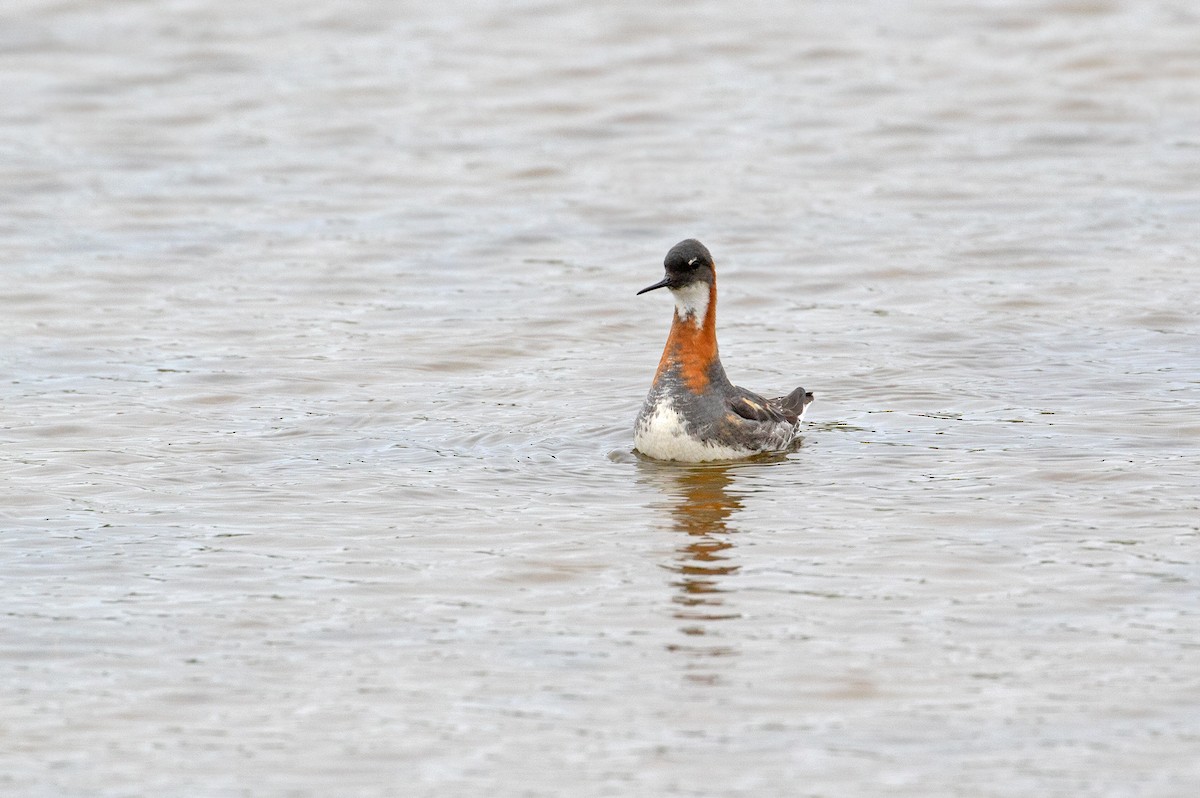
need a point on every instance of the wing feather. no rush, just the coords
(753, 407)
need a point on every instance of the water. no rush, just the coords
(321, 354)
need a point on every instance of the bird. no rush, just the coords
(693, 413)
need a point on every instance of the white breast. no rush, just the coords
(661, 434)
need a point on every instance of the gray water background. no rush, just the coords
(320, 354)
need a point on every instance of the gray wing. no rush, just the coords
(753, 407)
(786, 409)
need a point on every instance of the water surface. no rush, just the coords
(322, 354)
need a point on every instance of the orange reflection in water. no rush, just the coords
(702, 505)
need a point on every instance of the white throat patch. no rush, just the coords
(692, 301)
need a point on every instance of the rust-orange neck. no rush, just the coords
(692, 347)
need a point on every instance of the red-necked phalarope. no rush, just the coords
(693, 412)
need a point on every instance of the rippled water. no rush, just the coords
(321, 354)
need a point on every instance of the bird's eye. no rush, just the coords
(692, 263)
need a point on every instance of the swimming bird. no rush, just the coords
(693, 413)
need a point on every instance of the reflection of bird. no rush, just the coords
(702, 512)
(702, 506)
(693, 412)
